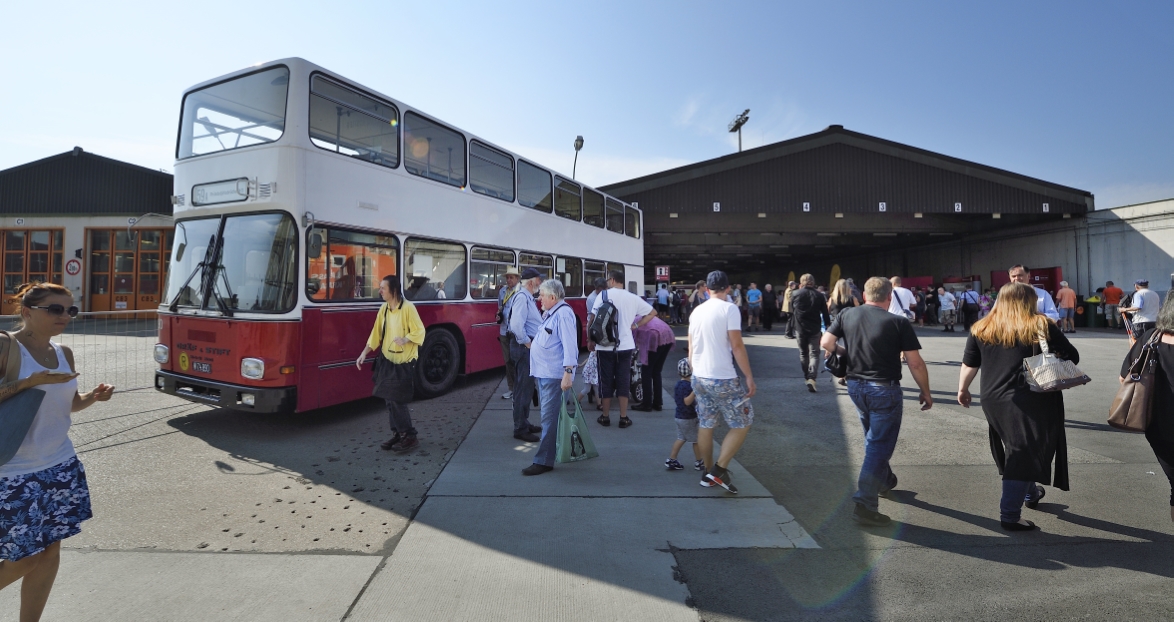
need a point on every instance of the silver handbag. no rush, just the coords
(1045, 372)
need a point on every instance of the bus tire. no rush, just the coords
(439, 364)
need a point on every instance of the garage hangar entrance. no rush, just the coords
(836, 197)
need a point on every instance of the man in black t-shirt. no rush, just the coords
(810, 309)
(874, 341)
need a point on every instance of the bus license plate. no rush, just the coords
(202, 367)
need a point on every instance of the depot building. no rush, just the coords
(838, 202)
(98, 226)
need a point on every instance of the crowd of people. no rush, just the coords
(44, 495)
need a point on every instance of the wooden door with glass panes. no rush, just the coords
(127, 269)
(29, 255)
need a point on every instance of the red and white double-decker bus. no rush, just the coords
(297, 191)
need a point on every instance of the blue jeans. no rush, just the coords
(550, 394)
(1015, 492)
(523, 386)
(880, 407)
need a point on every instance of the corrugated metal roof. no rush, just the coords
(838, 170)
(77, 182)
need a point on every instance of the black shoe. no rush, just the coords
(658, 408)
(391, 442)
(642, 408)
(1018, 526)
(625, 422)
(535, 429)
(526, 436)
(407, 444)
(865, 516)
(1035, 502)
(721, 477)
(604, 420)
(889, 485)
(537, 469)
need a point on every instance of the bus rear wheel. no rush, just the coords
(440, 361)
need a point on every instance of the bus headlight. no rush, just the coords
(162, 354)
(253, 369)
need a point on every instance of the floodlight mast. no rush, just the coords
(736, 126)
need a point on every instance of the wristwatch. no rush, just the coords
(569, 370)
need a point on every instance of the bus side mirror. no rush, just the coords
(314, 248)
(179, 251)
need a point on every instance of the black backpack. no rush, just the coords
(604, 326)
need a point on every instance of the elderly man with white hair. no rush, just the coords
(554, 354)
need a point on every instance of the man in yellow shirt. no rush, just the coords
(397, 335)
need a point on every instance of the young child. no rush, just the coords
(686, 418)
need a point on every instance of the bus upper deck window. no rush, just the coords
(353, 124)
(433, 151)
(241, 112)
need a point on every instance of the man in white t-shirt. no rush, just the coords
(1144, 306)
(615, 362)
(715, 342)
(903, 300)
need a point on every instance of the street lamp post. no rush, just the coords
(736, 126)
(578, 146)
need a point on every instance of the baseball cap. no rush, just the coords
(530, 273)
(684, 369)
(717, 280)
(1141, 282)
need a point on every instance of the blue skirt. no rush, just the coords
(38, 509)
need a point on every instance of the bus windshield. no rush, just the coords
(252, 268)
(241, 112)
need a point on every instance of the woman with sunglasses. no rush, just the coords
(43, 492)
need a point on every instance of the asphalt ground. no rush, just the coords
(204, 513)
(1104, 551)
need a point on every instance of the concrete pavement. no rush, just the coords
(591, 540)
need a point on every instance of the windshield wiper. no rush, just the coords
(199, 269)
(215, 269)
(224, 308)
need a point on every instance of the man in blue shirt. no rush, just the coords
(754, 306)
(1045, 304)
(663, 298)
(524, 320)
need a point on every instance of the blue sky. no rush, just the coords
(1077, 93)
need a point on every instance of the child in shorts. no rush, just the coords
(686, 418)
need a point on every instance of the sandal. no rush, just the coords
(625, 422)
(604, 420)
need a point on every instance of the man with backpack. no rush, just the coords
(610, 337)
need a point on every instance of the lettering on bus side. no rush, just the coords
(191, 347)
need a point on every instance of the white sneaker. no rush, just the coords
(508, 395)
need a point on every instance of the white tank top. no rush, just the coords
(47, 442)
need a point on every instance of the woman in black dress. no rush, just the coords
(1026, 428)
(1160, 432)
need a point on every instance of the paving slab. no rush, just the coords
(588, 541)
(630, 462)
(200, 586)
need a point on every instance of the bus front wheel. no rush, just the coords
(440, 361)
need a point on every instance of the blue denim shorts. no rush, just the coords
(722, 397)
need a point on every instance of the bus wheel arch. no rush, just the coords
(441, 361)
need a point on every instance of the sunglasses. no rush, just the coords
(57, 309)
